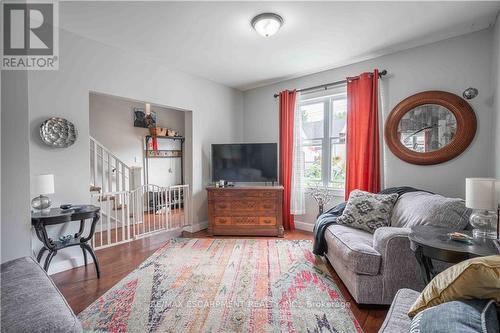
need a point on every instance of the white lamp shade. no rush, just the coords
(480, 193)
(43, 184)
(148, 109)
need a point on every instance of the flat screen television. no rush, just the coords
(245, 162)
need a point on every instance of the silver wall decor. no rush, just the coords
(58, 132)
(470, 93)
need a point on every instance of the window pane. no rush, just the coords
(338, 167)
(312, 120)
(312, 150)
(338, 130)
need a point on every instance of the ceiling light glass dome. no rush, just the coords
(267, 24)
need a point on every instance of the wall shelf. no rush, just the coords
(163, 153)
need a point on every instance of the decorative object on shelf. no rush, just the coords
(480, 195)
(460, 237)
(65, 239)
(431, 127)
(172, 132)
(42, 184)
(158, 131)
(470, 93)
(65, 206)
(144, 119)
(58, 132)
(323, 195)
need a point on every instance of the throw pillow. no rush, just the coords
(478, 315)
(367, 211)
(422, 208)
(473, 278)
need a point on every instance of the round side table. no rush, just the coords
(433, 243)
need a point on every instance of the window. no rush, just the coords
(324, 120)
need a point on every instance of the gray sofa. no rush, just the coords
(31, 302)
(397, 319)
(375, 266)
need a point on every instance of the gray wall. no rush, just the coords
(496, 99)
(450, 65)
(15, 166)
(88, 66)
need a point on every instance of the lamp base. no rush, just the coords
(478, 233)
(41, 204)
(484, 224)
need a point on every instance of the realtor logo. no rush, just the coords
(30, 36)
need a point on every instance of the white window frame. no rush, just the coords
(328, 96)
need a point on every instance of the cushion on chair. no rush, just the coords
(469, 279)
(468, 316)
(368, 211)
(31, 302)
(422, 208)
(354, 248)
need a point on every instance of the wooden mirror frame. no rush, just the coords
(466, 127)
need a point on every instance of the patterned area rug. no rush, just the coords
(224, 285)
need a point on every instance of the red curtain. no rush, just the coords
(363, 142)
(287, 108)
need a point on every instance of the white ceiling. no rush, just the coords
(214, 40)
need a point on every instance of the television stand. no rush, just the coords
(245, 211)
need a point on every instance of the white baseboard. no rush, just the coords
(304, 226)
(195, 227)
(66, 264)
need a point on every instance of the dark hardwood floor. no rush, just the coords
(81, 287)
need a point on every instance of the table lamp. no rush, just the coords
(42, 184)
(480, 195)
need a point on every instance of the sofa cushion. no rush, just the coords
(422, 208)
(31, 302)
(368, 211)
(469, 279)
(397, 320)
(466, 316)
(354, 248)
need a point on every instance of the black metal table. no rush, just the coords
(59, 216)
(430, 243)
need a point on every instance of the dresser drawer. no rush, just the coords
(268, 194)
(246, 220)
(243, 205)
(222, 206)
(222, 220)
(267, 205)
(267, 220)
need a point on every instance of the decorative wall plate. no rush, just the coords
(58, 132)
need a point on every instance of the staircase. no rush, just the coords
(107, 172)
(129, 213)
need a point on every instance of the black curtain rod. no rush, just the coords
(325, 86)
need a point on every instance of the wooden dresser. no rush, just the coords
(245, 210)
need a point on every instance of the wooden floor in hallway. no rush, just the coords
(81, 287)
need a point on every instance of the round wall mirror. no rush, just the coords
(430, 127)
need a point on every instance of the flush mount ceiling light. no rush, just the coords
(267, 24)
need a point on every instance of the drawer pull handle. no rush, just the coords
(223, 206)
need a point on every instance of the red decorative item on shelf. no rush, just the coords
(154, 143)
